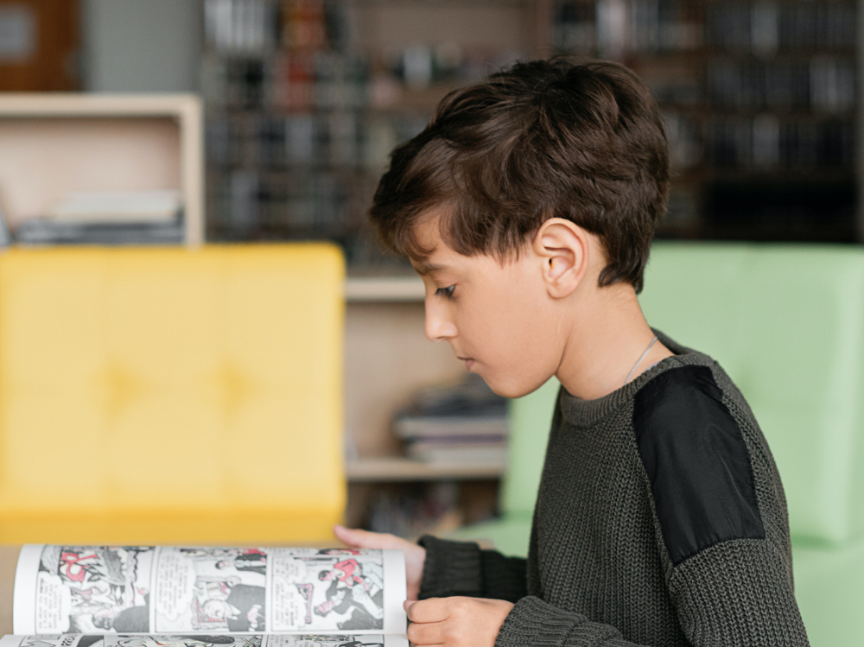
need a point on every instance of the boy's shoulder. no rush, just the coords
(690, 382)
(694, 453)
(677, 398)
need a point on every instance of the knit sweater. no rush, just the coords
(660, 520)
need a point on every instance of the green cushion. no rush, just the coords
(787, 324)
(509, 535)
(829, 587)
(530, 419)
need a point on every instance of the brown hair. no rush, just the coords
(543, 139)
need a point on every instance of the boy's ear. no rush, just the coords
(563, 248)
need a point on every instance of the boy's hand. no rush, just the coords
(415, 556)
(456, 622)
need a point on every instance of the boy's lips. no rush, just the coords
(469, 361)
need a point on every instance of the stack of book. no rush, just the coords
(108, 218)
(462, 424)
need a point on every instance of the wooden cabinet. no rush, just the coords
(39, 47)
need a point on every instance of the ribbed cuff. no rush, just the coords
(536, 623)
(451, 568)
(504, 578)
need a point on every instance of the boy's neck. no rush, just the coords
(607, 337)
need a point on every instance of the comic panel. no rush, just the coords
(211, 590)
(93, 589)
(334, 590)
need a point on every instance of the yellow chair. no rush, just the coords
(168, 395)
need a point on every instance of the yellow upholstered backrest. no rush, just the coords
(171, 395)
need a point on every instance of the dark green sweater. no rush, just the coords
(660, 520)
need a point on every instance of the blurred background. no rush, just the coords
(302, 101)
(305, 99)
(171, 371)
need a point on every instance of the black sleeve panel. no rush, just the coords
(697, 463)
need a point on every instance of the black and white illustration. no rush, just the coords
(93, 589)
(328, 590)
(211, 590)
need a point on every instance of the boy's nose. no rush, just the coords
(438, 326)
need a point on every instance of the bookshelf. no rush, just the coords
(387, 359)
(81, 142)
(759, 101)
(305, 102)
(758, 97)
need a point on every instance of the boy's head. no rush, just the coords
(545, 139)
(518, 189)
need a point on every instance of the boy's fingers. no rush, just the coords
(343, 534)
(426, 634)
(365, 539)
(356, 538)
(428, 611)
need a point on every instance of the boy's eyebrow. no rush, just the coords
(427, 268)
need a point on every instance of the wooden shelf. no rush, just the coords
(101, 142)
(385, 289)
(379, 470)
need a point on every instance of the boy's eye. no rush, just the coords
(445, 292)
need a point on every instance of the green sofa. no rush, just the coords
(787, 323)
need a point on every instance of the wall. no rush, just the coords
(141, 45)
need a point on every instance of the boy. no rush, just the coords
(528, 206)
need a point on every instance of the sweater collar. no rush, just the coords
(584, 413)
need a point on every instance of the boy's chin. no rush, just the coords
(513, 388)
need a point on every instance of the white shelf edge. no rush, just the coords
(405, 289)
(380, 470)
(80, 104)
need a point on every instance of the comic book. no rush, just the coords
(173, 596)
(205, 640)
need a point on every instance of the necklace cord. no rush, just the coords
(639, 361)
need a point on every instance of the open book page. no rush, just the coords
(180, 590)
(204, 640)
